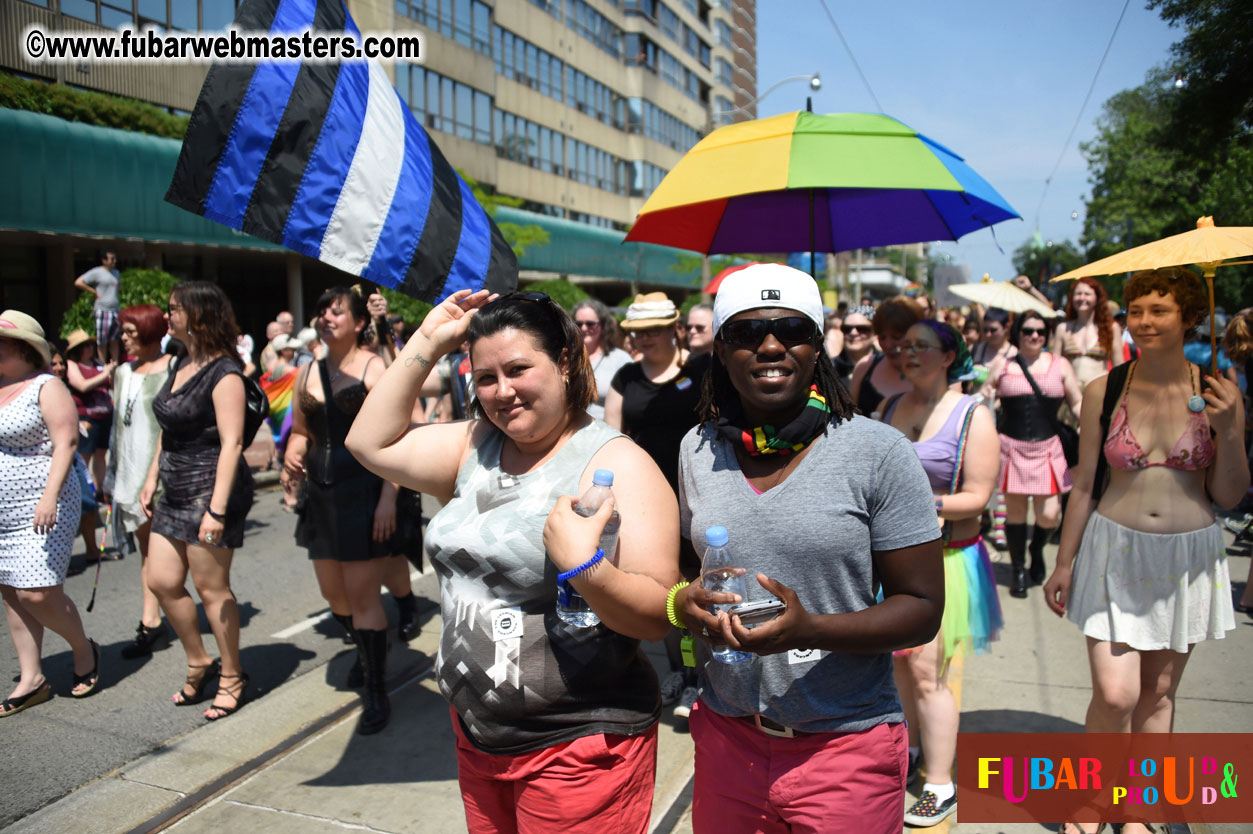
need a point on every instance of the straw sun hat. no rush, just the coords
(652, 309)
(18, 325)
(76, 338)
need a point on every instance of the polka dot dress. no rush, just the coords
(29, 559)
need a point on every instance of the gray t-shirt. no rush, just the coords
(860, 488)
(104, 282)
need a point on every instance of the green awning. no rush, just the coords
(77, 179)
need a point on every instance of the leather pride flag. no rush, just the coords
(326, 159)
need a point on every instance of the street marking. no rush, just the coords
(310, 622)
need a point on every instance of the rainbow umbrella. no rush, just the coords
(712, 287)
(809, 182)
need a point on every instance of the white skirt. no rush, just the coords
(1151, 591)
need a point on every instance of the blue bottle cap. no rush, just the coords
(716, 536)
(602, 477)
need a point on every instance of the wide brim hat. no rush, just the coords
(76, 338)
(651, 309)
(15, 324)
(306, 337)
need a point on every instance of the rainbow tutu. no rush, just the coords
(972, 611)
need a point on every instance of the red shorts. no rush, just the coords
(597, 784)
(747, 781)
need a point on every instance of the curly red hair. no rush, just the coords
(1100, 313)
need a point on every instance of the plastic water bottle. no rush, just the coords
(719, 573)
(571, 607)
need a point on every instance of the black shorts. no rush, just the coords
(96, 437)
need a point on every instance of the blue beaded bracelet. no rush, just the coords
(570, 574)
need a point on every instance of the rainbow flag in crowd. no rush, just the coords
(326, 159)
(279, 393)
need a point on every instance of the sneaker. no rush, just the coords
(145, 639)
(671, 688)
(683, 709)
(926, 812)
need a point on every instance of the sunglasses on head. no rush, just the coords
(790, 330)
(864, 329)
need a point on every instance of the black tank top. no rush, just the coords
(868, 398)
(327, 460)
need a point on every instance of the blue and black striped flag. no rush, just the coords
(326, 159)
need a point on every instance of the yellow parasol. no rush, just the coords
(1207, 246)
(1002, 294)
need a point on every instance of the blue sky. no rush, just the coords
(998, 82)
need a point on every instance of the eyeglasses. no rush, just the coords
(850, 329)
(790, 330)
(587, 325)
(1033, 331)
(695, 328)
(920, 347)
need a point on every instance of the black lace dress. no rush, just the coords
(188, 465)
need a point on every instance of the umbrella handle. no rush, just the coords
(1213, 332)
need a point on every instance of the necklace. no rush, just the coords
(340, 367)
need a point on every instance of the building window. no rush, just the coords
(724, 34)
(482, 27)
(216, 14)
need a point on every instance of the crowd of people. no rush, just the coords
(852, 460)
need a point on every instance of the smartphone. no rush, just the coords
(756, 613)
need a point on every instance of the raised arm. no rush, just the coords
(1228, 476)
(424, 458)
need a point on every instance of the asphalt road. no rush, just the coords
(52, 749)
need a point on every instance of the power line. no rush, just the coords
(856, 66)
(1079, 116)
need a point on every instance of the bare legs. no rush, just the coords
(1048, 509)
(151, 616)
(169, 561)
(355, 589)
(930, 707)
(396, 576)
(31, 610)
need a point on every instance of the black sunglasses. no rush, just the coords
(790, 330)
(864, 329)
(1033, 331)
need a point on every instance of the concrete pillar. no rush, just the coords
(153, 256)
(295, 290)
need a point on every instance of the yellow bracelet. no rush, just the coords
(671, 614)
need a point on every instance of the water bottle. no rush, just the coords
(571, 607)
(719, 573)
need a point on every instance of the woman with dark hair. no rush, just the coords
(601, 339)
(1141, 568)
(90, 383)
(823, 508)
(957, 443)
(207, 489)
(1089, 338)
(38, 513)
(348, 515)
(875, 379)
(995, 343)
(551, 719)
(1033, 464)
(133, 448)
(857, 328)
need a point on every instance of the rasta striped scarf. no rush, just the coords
(784, 440)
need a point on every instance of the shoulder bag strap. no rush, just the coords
(946, 532)
(1114, 382)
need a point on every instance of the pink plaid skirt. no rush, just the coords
(1033, 467)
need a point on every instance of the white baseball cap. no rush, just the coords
(767, 285)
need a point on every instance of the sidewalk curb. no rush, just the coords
(145, 795)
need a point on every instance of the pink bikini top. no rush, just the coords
(1193, 450)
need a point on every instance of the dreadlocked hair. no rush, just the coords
(717, 388)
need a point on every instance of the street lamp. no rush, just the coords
(815, 84)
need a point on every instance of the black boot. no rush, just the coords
(356, 675)
(1039, 537)
(1016, 535)
(407, 625)
(376, 709)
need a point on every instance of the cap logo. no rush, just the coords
(8, 325)
(771, 295)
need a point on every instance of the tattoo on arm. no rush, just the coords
(418, 359)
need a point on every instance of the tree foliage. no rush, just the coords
(89, 108)
(137, 286)
(1043, 262)
(1167, 154)
(560, 290)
